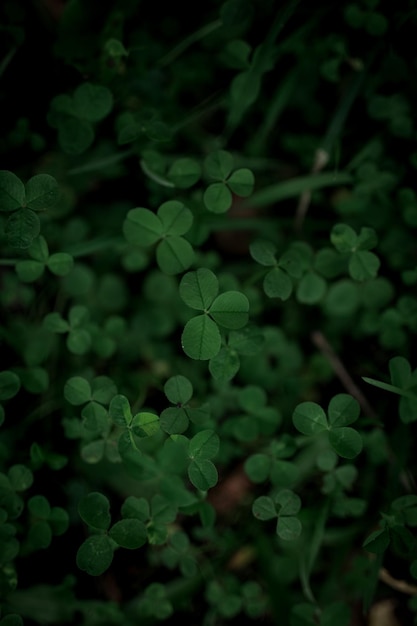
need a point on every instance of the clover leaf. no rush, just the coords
(310, 419)
(218, 196)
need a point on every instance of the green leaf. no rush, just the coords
(94, 510)
(343, 410)
(363, 265)
(42, 192)
(92, 102)
(134, 507)
(309, 418)
(119, 410)
(178, 389)
(77, 390)
(400, 371)
(55, 323)
(201, 339)
(258, 467)
(39, 250)
(95, 555)
(176, 218)
(225, 365)
(75, 135)
(377, 542)
(203, 474)
(343, 237)
(21, 228)
(277, 284)
(367, 238)
(79, 341)
(39, 507)
(60, 263)
(311, 288)
(347, 442)
(218, 165)
(288, 528)
(263, 252)
(39, 535)
(174, 255)
(20, 476)
(28, 271)
(145, 424)
(287, 502)
(12, 191)
(217, 198)
(184, 173)
(263, 508)
(9, 385)
(199, 289)
(242, 182)
(174, 421)
(142, 227)
(204, 445)
(247, 341)
(230, 309)
(129, 533)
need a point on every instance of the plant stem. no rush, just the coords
(189, 41)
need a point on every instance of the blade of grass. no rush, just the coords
(205, 30)
(296, 186)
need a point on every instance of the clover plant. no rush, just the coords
(208, 266)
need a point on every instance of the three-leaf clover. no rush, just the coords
(142, 424)
(45, 521)
(403, 383)
(277, 281)
(201, 449)
(175, 420)
(285, 506)
(310, 419)
(95, 554)
(201, 338)
(78, 338)
(246, 341)
(142, 227)
(74, 116)
(23, 202)
(29, 270)
(218, 166)
(362, 264)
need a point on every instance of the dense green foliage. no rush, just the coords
(208, 276)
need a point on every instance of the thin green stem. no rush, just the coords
(6, 60)
(100, 164)
(189, 41)
(8, 261)
(96, 245)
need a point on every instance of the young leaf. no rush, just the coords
(145, 424)
(377, 542)
(277, 284)
(263, 508)
(95, 555)
(263, 252)
(204, 445)
(242, 182)
(309, 418)
(142, 227)
(198, 289)
(60, 263)
(230, 309)
(288, 528)
(218, 165)
(311, 288)
(174, 421)
(42, 192)
(9, 385)
(92, 102)
(343, 237)
(203, 474)
(225, 365)
(28, 271)
(21, 228)
(129, 533)
(178, 389)
(174, 255)
(119, 411)
(12, 191)
(217, 198)
(400, 371)
(94, 510)
(287, 502)
(201, 339)
(363, 265)
(347, 442)
(343, 410)
(176, 218)
(184, 173)
(77, 390)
